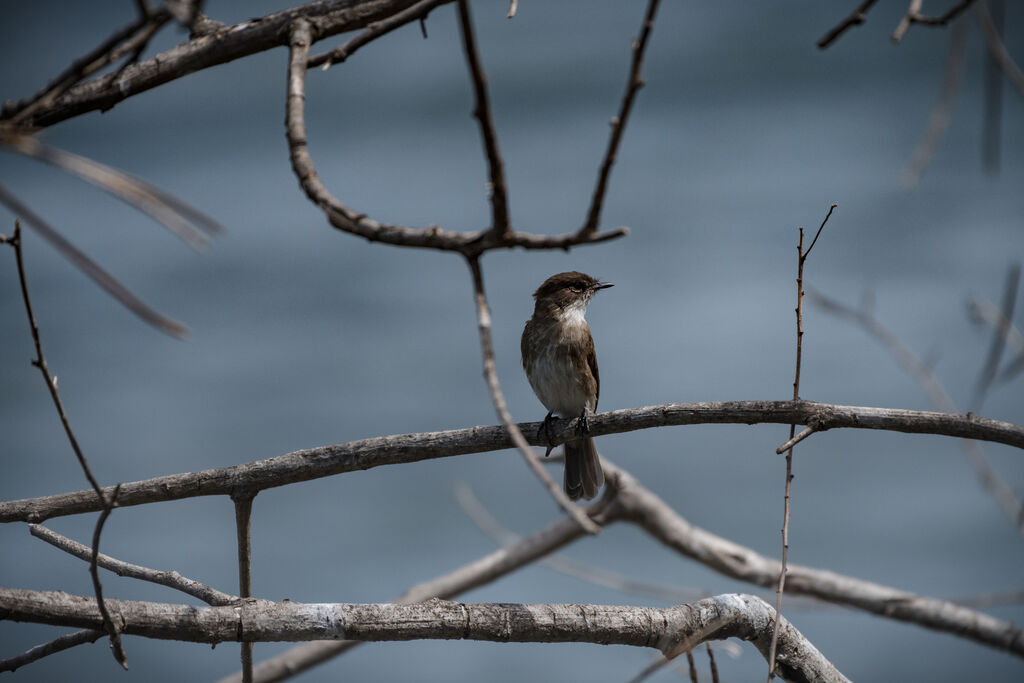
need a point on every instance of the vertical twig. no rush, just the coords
(802, 258)
(999, 334)
(633, 86)
(712, 663)
(483, 315)
(243, 527)
(51, 384)
(500, 225)
(993, 116)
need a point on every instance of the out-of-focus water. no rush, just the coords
(302, 336)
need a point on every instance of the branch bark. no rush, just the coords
(725, 616)
(314, 463)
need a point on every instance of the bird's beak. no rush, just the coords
(602, 285)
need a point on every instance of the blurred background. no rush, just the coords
(303, 336)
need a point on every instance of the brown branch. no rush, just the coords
(85, 264)
(855, 18)
(113, 629)
(53, 647)
(618, 123)
(733, 616)
(375, 30)
(210, 596)
(942, 111)
(348, 220)
(793, 440)
(500, 226)
(483, 316)
(323, 461)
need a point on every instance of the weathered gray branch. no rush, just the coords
(314, 463)
(725, 616)
(330, 17)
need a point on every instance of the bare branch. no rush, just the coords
(855, 18)
(995, 352)
(363, 454)
(91, 268)
(633, 86)
(500, 226)
(483, 316)
(243, 527)
(219, 46)
(942, 111)
(210, 596)
(734, 616)
(985, 313)
(375, 30)
(113, 629)
(997, 48)
(53, 647)
(914, 16)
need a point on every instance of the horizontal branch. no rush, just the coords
(725, 616)
(223, 45)
(314, 463)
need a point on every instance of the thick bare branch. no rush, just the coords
(324, 461)
(731, 616)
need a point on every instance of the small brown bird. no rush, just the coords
(558, 356)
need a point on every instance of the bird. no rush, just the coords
(560, 364)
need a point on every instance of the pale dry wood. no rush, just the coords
(724, 616)
(314, 463)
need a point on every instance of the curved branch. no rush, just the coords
(323, 461)
(724, 616)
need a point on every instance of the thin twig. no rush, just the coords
(375, 30)
(992, 117)
(85, 264)
(618, 123)
(207, 594)
(997, 48)
(711, 663)
(802, 258)
(500, 226)
(52, 647)
(106, 503)
(942, 111)
(855, 18)
(914, 16)
(243, 531)
(985, 313)
(999, 334)
(512, 7)
(483, 315)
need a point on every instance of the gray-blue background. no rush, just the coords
(303, 336)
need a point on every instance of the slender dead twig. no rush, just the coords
(985, 313)
(243, 531)
(801, 260)
(618, 123)
(855, 18)
(483, 315)
(990, 480)
(942, 111)
(106, 503)
(500, 226)
(913, 16)
(85, 264)
(999, 335)
(997, 48)
(52, 647)
(375, 30)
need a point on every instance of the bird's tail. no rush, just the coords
(583, 475)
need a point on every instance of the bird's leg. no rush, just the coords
(545, 429)
(583, 425)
